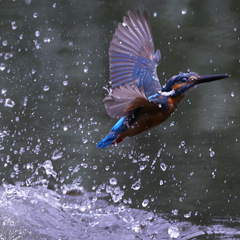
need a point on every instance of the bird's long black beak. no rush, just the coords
(210, 78)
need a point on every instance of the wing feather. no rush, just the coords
(133, 64)
(132, 50)
(117, 101)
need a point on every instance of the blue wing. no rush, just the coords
(133, 64)
(132, 55)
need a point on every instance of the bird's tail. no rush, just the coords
(112, 136)
(109, 139)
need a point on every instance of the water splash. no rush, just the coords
(48, 167)
(115, 192)
(173, 232)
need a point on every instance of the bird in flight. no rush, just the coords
(136, 97)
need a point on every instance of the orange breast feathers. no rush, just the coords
(148, 115)
(173, 103)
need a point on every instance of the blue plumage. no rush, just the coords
(119, 127)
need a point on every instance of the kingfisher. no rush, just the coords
(136, 97)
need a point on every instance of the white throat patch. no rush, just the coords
(167, 94)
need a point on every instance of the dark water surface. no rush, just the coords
(180, 180)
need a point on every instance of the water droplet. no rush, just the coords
(145, 202)
(188, 215)
(212, 153)
(54, 5)
(2, 66)
(142, 167)
(161, 182)
(65, 128)
(137, 185)
(182, 143)
(184, 11)
(84, 165)
(175, 212)
(37, 33)
(25, 101)
(47, 40)
(113, 181)
(35, 15)
(155, 14)
(173, 232)
(235, 29)
(3, 91)
(163, 166)
(14, 27)
(38, 46)
(65, 83)
(4, 43)
(232, 94)
(85, 69)
(46, 88)
(9, 103)
(57, 155)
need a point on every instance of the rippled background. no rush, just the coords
(180, 180)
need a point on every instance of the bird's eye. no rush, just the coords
(184, 79)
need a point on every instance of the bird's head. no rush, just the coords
(180, 84)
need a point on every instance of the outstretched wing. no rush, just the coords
(132, 55)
